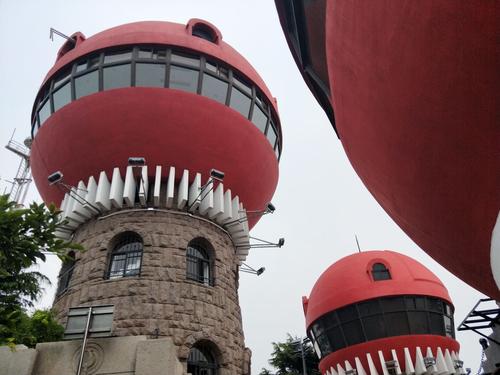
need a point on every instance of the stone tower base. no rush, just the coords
(129, 355)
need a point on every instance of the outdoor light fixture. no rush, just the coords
(270, 208)
(55, 177)
(261, 244)
(217, 175)
(458, 364)
(429, 361)
(392, 367)
(136, 161)
(351, 372)
(247, 269)
(214, 175)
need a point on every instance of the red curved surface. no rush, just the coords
(168, 127)
(397, 343)
(415, 93)
(164, 33)
(349, 281)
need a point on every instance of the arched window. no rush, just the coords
(66, 273)
(380, 272)
(198, 265)
(201, 361)
(126, 257)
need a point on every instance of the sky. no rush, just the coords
(321, 203)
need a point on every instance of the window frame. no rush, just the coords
(120, 242)
(200, 263)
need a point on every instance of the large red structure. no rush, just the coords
(411, 90)
(171, 93)
(372, 308)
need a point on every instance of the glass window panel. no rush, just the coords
(150, 75)
(393, 304)
(324, 344)
(347, 313)
(271, 135)
(420, 303)
(211, 66)
(34, 129)
(160, 54)
(62, 96)
(145, 53)
(183, 79)
(259, 118)
(397, 324)
(448, 327)
(242, 86)
(369, 308)
(122, 55)
(116, 76)
(240, 102)
(76, 323)
(335, 338)
(214, 88)
(353, 332)
(448, 310)
(435, 304)
(44, 112)
(87, 84)
(185, 59)
(374, 327)
(437, 324)
(418, 322)
(62, 77)
(81, 66)
(94, 61)
(102, 322)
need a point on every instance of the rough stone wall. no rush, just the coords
(162, 298)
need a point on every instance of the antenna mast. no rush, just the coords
(22, 180)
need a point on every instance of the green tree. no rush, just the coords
(287, 358)
(26, 236)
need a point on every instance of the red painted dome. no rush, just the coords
(378, 301)
(412, 93)
(177, 95)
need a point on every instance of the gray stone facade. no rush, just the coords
(161, 301)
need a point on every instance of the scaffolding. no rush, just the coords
(22, 180)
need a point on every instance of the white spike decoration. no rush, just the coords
(340, 370)
(419, 362)
(359, 367)
(371, 365)
(120, 193)
(157, 188)
(395, 358)
(348, 366)
(442, 368)
(409, 367)
(382, 362)
(333, 371)
(433, 368)
(449, 362)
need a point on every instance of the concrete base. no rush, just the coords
(134, 355)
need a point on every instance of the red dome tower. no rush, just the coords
(381, 310)
(412, 94)
(161, 143)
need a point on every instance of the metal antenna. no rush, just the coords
(54, 31)
(357, 242)
(22, 179)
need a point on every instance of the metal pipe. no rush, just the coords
(84, 344)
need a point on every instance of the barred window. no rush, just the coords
(201, 361)
(66, 273)
(126, 257)
(198, 264)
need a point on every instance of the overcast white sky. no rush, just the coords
(321, 203)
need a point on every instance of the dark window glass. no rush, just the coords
(397, 324)
(418, 322)
(116, 76)
(152, 53)
(44, 112)
(324, 344)
(353, 332)
(94, 61)
(203, 32)
(347, 313)
(380, 272)
(201, 362)
(371, 307)
(183, 79)
(448, 326)
(336, 339)
(177, 58)
(259, 118)
(271, 135)
(214, 88)
(435, 305)
(374, 327)
(211, 66)
(123, 55)
(415, 303)
(62, 77)
(198, 265)
(318, 328)
(437, 324)
(87, 84)
(150, 75)
(126, 257)
(393, 304)
(238, 82)
(65, 274)
(81, 66)
(62, 96)
(240, 102)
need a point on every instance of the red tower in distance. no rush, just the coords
(170, 93)
(378, 311)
